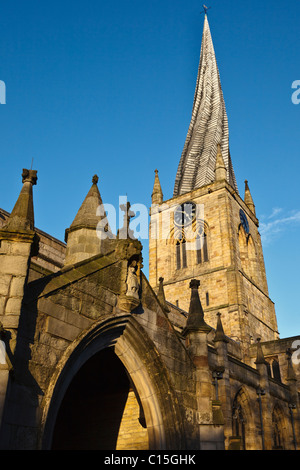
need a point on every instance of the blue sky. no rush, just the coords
(107, 88)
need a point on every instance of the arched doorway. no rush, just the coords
(119, 350)
(101, 409)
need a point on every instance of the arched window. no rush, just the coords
(276, 370)
(248, 255)
(181, 260)
(190, 244)
(278, 441)
(178, 255)
(273, 368)
(201, 251)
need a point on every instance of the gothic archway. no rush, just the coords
(101, 409)
(242, 420)
(141, 371)
(278, 428)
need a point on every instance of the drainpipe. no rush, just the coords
(261, 392)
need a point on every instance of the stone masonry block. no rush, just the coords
(15, 265)
(5, 280)
(61, 329)
(17, 286)
(13, 306)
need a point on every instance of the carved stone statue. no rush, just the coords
(132, 281)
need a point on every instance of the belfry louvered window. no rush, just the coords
(181, 259)
(202, 252)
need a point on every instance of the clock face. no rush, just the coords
(185, 214)
(244, 221)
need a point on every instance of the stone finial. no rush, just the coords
(22, 215)
(220, 169)
(157, 194)
(29, 176)
(220, 335)
(87, 214)
(84, 236)
(161, 295)
(195, 321)
(95, 179)
(248, 198)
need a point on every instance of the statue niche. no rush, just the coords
(130, 299)
(132, 281)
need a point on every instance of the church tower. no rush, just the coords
(207, 230)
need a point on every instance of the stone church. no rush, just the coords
(93, 355)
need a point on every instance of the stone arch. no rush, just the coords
(241, 409)
(279, 427)
(143, 365)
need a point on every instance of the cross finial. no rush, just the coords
(205, 8)
(95, 179)
(128, 214)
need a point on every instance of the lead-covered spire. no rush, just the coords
(208, 126)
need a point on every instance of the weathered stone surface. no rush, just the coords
(91, 358)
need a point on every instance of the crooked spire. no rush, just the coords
(208, 127)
